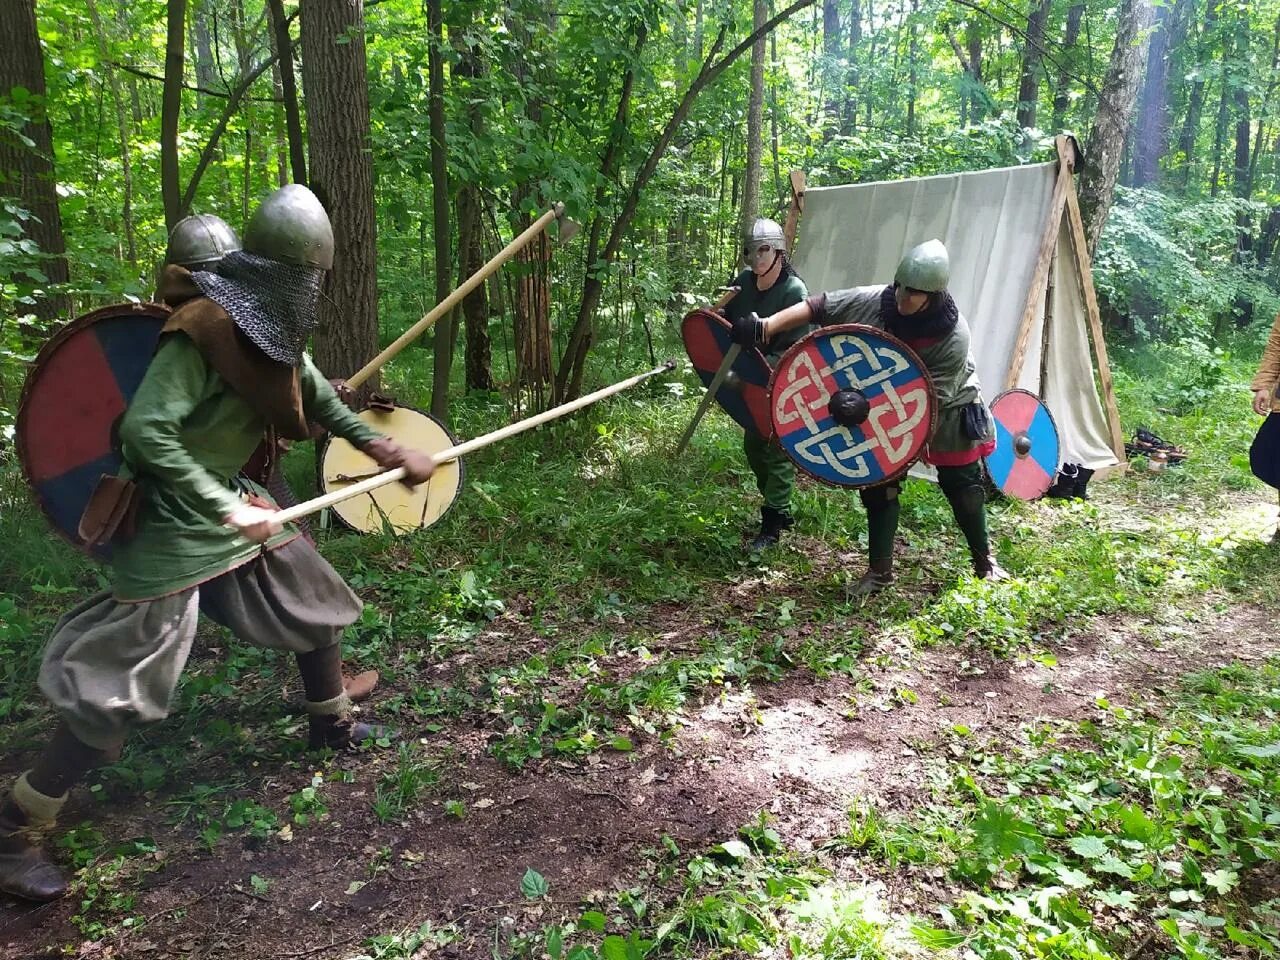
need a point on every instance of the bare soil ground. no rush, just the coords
(803, 749)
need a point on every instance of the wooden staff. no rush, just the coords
(452, 300)
(453, 453)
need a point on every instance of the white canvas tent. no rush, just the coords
(1019, 272)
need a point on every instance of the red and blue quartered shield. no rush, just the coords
(852, 405)
(1024, 463)
(744, 395)
(73, 399)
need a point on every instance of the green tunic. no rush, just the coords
(949, 361)
(775, 473)
(184, 437)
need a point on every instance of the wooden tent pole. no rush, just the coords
(1048, 245)
(452, 300)
(796, 208)
(470, 446)
(1085, 277)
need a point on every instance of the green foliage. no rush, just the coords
(1170, 268)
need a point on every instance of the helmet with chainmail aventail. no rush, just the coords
(290, 226)
(765, 231)
(199, 242)
(271, 288)
(925, 267)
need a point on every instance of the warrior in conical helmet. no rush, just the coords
(917, 309)
(230, 364)
(768, 284)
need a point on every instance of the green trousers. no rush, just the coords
(963, 489)
(775, 473)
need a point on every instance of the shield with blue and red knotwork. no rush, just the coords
(852, 405)
(744, 395)
(1024, 463)
(75, 393)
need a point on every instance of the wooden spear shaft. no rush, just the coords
(453, 299)
(470, 446)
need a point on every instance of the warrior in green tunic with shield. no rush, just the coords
(767, 285)
(917, 309)
(229, 366)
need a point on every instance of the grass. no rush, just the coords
(589, 594)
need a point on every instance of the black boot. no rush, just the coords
(878, 576)
(772, 523)
(25, 869)
(332, 724)
(986, 568)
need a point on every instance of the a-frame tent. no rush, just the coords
(1020, 273)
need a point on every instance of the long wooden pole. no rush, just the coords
(453, 299)
(470, 446)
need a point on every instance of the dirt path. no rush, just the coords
(802, 749)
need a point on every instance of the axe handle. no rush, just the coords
(470, 446)
(452, 300)
(730, 355)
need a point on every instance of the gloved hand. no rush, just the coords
(389, 455)
(748, 331)
(344, 392)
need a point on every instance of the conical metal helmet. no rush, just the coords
(200, 241)
(290, 226)
(926, 267)
(765, 231)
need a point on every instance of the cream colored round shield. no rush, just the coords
(392, 507)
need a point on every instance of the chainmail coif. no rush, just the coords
(273, 304)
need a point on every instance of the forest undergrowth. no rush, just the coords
(587, 610)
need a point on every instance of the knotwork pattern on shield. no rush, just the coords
(896, 386)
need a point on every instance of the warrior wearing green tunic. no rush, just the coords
(769, 284)
(199, 243)
(230, 365)
(917, 309)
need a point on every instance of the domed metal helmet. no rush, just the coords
(199, 242)
(925, 267)
(291, 226)
(764, 231)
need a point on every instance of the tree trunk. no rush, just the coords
(832, 80)
(206, 70)
(26, 172)
(1115, 114)
(170, 111)
(289, 90)
(1195, 102)
(1032, 53)
(442, 366)
(122, 131)
(532, 307)
(475, 308)
(912, 53)
(1152, 134)
(1062, 92)
(973, 40)
(1240, 101)
(851, 79)
(1220, 125)
(755, 125)
(335, 75)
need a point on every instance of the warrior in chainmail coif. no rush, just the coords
(230, 364)
(200, 245)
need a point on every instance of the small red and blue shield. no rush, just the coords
(744, 395)
(75, 394)
(894, 407)
(1024, 463)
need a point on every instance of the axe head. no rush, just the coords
(568, 229)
